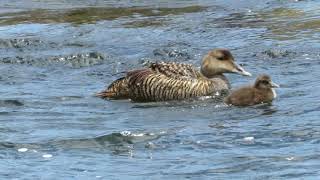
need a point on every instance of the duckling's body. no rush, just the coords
(174, 81)
(261, 92)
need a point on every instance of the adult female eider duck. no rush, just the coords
(261, 92)
(174, 81)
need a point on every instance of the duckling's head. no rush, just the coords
(219, 61)
(264, 82)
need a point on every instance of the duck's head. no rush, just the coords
(264, 82)
(219, 61)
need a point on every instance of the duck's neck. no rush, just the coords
(213, 76)
(220, 78)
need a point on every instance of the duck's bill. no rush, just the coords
(239, 70)
(274, 85)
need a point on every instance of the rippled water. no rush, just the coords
(54, 55)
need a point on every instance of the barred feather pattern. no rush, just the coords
(145, 85)
(165, 81)
(175, 70)
(118, 89)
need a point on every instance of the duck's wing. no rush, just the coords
(175, 70)
(118, 89)
(147, 85)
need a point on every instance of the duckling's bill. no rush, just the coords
(274, 85)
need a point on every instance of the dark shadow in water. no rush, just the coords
(267, 109)
(74, 60)
(199, 101)
(20, 43)
(249, 112)
(174, 50)
(276, 54)
(10, 102)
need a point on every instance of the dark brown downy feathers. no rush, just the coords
(261, 92)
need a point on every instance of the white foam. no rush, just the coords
(23, 150)
(125, 133)
(290, 158)
(251, 138)
(47, 156)
(205, 97)
(219, 105)
(138, 135)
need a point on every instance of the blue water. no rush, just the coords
(54, 55)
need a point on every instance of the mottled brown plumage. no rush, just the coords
(173, 81)
(175, 70)
(261, 92)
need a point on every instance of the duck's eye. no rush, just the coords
(220, 58)
(265, 82)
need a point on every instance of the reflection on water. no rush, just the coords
(89, 15)
(55, 55)
(283, 23)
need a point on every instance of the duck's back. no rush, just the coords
(175, 70)
(118, 89)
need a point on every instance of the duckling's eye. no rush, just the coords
(265, 82)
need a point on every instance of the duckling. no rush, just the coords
(261, 92)
(175, 81)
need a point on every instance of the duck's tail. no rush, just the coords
(118, 89)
